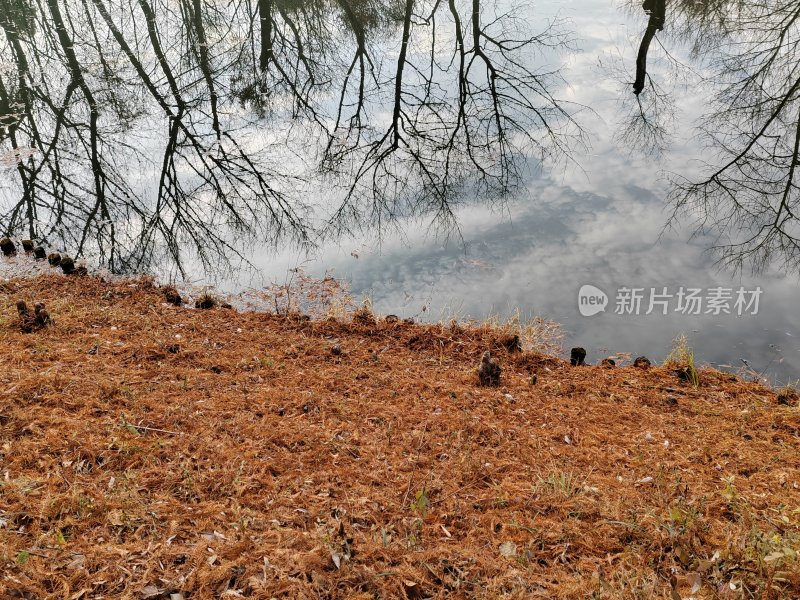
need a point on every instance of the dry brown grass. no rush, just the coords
(150, 450)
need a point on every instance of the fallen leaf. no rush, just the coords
(773, 556)
(150, 591)
(696, 581)
(508, 549)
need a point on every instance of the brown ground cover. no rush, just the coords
(152, 451)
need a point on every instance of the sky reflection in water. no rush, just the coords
(600, 224)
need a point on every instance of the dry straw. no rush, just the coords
(153, 451)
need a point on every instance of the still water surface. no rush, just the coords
(600, 221)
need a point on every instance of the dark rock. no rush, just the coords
(512, 343)
(41, 315)
(39, 253)
(391, 318)
(336, 350)
(54, 259)
(27, 323)
(534, 379)
(642, 362)
(577, 356)
(67, 265)
(364, 316)
(787, 396)
(489, 371)
(8, 247)
(172, 296)
(227, 305)
(687, 374)
(205, 302)
(30, 322)
(608, 362)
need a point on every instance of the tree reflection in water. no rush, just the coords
(145, 131)
(746, 195)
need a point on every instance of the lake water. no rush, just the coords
(595, 219)
(599, 222)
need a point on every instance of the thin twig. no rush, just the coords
(145, 428)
